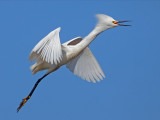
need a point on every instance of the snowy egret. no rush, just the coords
(50, 54)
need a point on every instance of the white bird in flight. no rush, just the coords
(50, 54)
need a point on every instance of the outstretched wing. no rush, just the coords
(48, 49)
(86, 66)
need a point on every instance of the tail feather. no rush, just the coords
(42, 65)
(33, 69)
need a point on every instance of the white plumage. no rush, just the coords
(48, 49)
(86, 66)
(50, 54)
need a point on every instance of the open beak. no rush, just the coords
(117, 22)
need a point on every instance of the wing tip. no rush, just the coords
(58, 29)
(55, 30)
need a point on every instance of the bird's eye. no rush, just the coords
(115, 22)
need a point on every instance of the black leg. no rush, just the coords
(30, 94)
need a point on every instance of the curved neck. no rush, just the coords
(92, 35)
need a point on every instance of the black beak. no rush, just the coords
(123, 22)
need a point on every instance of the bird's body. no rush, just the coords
(70, 50)
(50, 54)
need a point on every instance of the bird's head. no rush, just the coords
(106, 22)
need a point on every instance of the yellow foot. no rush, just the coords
(23, 102)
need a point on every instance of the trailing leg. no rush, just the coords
(30, 94)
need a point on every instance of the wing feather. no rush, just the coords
(48, 49)
(86, 66)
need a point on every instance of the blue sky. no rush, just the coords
(129, 57)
